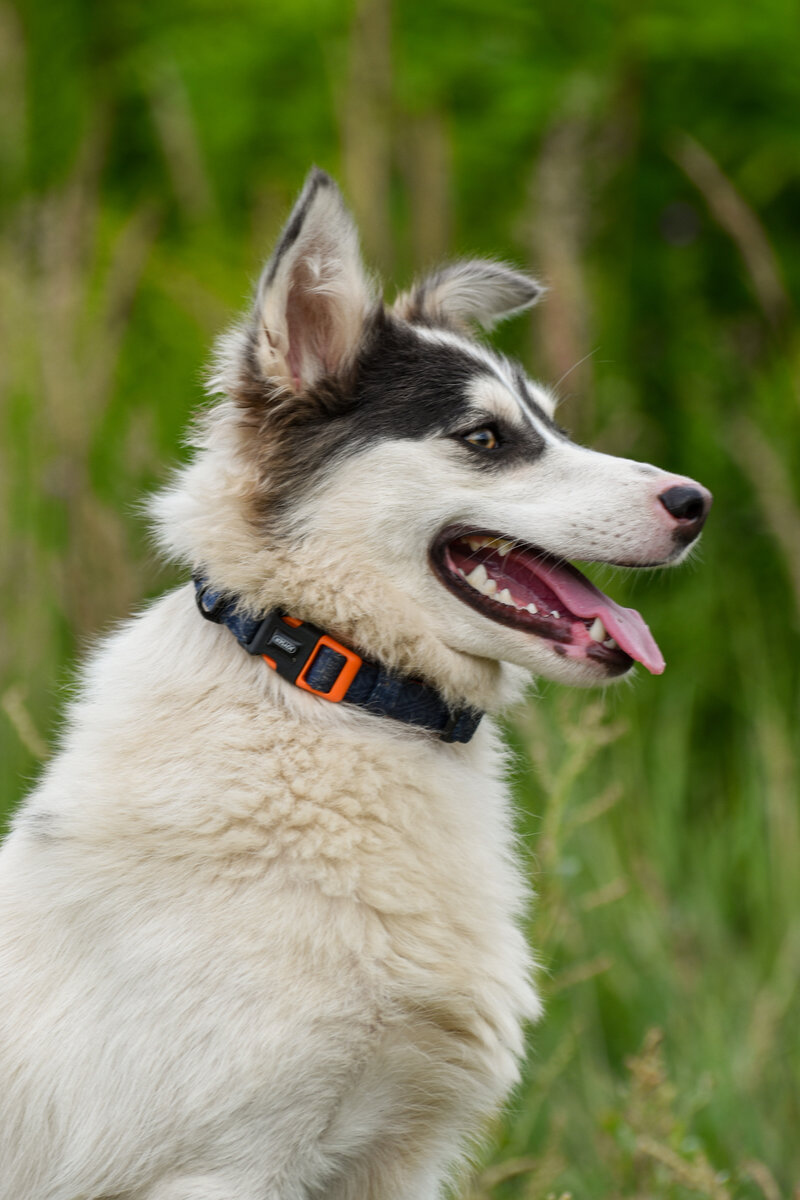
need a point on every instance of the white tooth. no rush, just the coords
(476, 543)
(503, 548)
(532, 609)
(505, 597)
(477, 577)
(555, 613)
(597, 630)
(612, 645)
(489, 588)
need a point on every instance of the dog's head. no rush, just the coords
(381, 473)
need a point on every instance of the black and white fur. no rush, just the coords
(255, 946)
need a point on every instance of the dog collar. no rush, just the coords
(307, 657)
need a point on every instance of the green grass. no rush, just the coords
(666, 1062)
(645, 163)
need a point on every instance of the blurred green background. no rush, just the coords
(645, 162)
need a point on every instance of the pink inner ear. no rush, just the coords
(304, 316)
(310, 327)
(299, 322)
(294, 370)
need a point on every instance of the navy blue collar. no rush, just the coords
(314, 662)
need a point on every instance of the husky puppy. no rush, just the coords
(259, 922)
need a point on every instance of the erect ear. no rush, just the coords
(314, 294)
(474, 290)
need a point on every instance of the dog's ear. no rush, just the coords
(314, 294)
(476, 290)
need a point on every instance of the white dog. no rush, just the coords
(259, 921)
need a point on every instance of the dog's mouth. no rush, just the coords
(524, 587)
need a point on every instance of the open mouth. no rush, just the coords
(519, 585)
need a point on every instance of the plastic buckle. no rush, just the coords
(347, 672)
(290, 646)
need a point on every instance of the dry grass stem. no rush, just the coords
(769, 475)
(763, 1178)
(13, 705)
(736, 217)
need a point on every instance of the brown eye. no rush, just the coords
(485, 438)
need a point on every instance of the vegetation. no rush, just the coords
(644, 162)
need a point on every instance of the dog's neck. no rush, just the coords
(308, 658)
(201, 524)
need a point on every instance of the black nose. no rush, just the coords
(688, 504)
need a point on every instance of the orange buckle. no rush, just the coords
(346, 675)
(293, 646)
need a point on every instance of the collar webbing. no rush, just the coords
(313, 661)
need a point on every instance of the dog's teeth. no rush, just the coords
(503, 548)
(477, 577)
(555, 613)
(505, 597)
(612, 645)
(532, 609)
(597, 631)
(489, 588)
(476, 543)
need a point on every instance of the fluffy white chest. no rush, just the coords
(278, 937)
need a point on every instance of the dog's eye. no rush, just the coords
(484, 438)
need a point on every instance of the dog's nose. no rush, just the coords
(689, 504)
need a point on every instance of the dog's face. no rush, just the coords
(394, 444)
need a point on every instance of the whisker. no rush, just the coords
(575, 366)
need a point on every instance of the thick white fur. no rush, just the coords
(251, 938)
(259, 947)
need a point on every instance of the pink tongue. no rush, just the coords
(585, 600)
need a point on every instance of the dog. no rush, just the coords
(260, 919)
